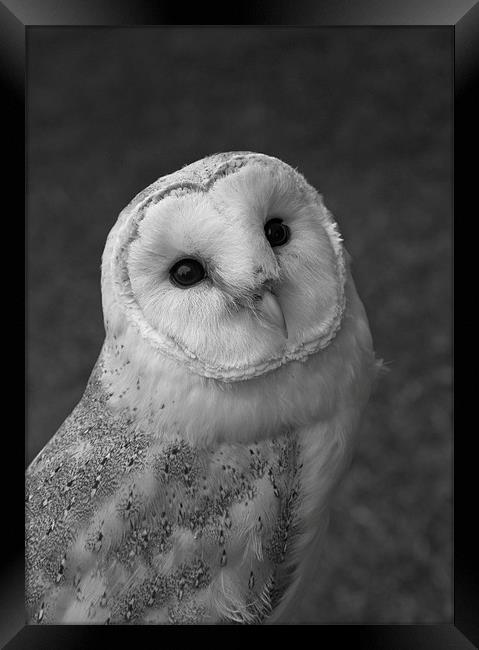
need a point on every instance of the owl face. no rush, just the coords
(236, 272)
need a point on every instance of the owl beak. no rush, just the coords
(269, 310)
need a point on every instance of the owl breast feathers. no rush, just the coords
(191, 483)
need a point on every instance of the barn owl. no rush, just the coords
(191, 483)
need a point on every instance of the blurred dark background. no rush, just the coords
(365, 115)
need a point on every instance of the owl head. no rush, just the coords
(231, 266)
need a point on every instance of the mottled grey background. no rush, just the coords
(365, 114)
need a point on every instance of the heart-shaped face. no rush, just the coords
(231, 266)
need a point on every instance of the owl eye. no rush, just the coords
(277, 232)
(187, 272)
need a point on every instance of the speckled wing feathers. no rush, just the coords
(125, 526)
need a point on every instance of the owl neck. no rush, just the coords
(164, 397)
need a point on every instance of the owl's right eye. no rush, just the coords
(187, 272)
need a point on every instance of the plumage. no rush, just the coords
(191, 483)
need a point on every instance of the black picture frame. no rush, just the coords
(462, 18)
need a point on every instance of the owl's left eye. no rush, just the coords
(187, 272)
(277, 232)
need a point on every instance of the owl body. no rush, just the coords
(191, 483)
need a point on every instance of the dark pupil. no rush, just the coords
(277, 233)
(187, 272)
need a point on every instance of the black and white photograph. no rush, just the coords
(238, 237)
(239, 326)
